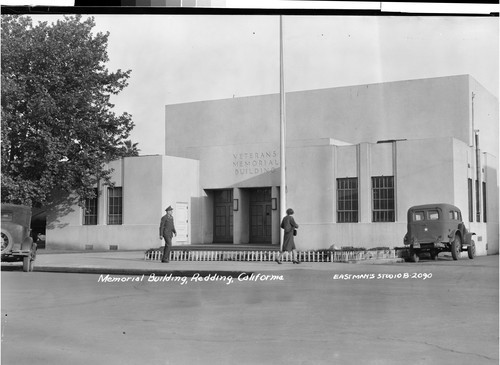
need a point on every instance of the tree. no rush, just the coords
(58, 127)
(129, 149)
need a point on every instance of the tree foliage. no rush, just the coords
(129, 149)
(58, 127)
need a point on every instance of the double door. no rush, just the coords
(260, 215)
(223, 216)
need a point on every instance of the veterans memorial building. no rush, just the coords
(357, 158)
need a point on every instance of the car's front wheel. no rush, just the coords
(456, 247)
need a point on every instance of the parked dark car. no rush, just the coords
(435, 228)
(17, 245)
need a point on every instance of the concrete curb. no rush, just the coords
(131, 263)
(159, 272)
(189, 272)
(379, 261)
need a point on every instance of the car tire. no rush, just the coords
(6, 241)
(434, 255)
(456, 247)
(471, 250)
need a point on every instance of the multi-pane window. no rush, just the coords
(383, 199)
(347, 200)
(90, 210)
(115, 206)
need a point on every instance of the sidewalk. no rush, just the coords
(133, 263)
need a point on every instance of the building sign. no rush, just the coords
(255, 163)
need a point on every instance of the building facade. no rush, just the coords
(356, 159)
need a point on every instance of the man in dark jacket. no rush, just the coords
(167, 230)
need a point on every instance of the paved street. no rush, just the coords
(443, 312)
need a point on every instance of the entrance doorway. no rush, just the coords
(182, 222)
(260, 215)
(223, 216)
(38, 227)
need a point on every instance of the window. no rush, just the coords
(90, 210)
(383, 199)
(484, 202)
(347, 200)
(418, 216)
(115, 206)
(454, 215)
(433, 215)
(469, 186)
(7, 216)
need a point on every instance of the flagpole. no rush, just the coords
(282, 134)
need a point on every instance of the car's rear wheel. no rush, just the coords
(456, 247)
(434, 255)
(471, 250)
(6, 241)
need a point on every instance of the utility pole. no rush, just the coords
(282, 134)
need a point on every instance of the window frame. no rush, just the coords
(383, 193)
(347, 200)
(91, 219)
(115, 206)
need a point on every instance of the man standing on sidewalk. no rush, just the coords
(167, 230)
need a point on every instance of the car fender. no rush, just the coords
(453, 233)
(27, 243)
(468, 238)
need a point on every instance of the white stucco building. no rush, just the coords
(356, 159)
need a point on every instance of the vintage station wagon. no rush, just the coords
(17, 245)
(435, 228)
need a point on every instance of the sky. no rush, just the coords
(188, 58)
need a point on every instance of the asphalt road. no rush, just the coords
(443, 312)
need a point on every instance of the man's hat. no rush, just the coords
(169, 208)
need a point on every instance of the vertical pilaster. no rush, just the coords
(237, 218)
(275, 215)
(365, 196)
